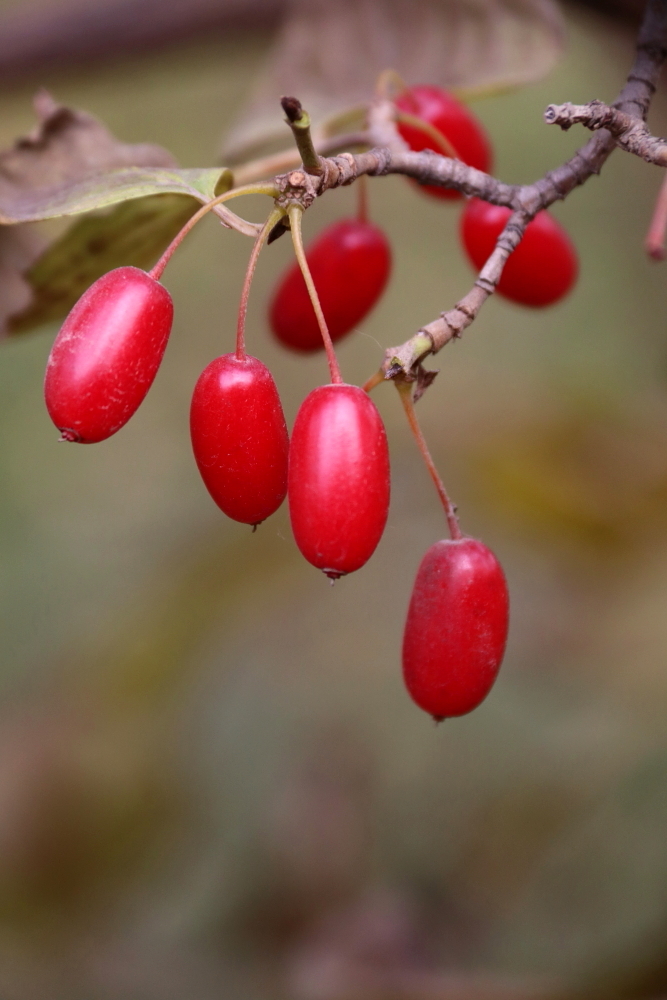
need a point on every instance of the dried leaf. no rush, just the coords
(72, 164)
(134, 232)
(425, 378)
(65, 147)
(329, 54)
(19, 247)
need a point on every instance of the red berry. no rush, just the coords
(544, 266)
(456, 628)
(239, 437)
(107, 354)
(350, 264)
(454, 121)
(338, 478)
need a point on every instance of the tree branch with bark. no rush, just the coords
(619, 125)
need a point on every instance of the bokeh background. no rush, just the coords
(212, 782)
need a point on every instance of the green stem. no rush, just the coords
(433, 133)
(390, 85)
(295, 212)
(405, 392)
(267, 189)
(299, 121)
(262, 237)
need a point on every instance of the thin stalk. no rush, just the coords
(267, 189)
(374, 380)
(295, 212)
(362, 204)
(405, 392)
(275, 215)
(440, 140)
(298, 120)
(655, 238)
(390, 85)
(280, 163)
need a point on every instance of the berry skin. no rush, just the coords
(107, 354)
(239, 437)
(338, 478)
(350, 263)
(542, 269)
(456, 628)
(454, 121)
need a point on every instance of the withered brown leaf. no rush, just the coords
(329, 54)
(66, 147)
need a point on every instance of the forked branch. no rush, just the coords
(622, 125)
(630, 133)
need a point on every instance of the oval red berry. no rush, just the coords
(453, 119)
(338, 478)
(350, 263)
(544, 266)
(239, 437)
(107, 354)
(456, 628)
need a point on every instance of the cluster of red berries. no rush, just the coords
(355, 255)
(335, 469)
(544, 266)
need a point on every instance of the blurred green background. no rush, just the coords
(212, 782)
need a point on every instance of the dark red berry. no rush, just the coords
(350, 264)
(454, 121)
(239, 437)
(338, 478)
(456, 628)
(542, 269)
(107, 354)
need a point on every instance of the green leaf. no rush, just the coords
(110, 188)
(134, 232)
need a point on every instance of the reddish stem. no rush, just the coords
(158, 269)
(405, 392)
(247, 281)
(655, 238)
(295, 213)
(362, 204)
(374, 380)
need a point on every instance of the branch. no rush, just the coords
(630, 134)
(634, 101)
(525, 201)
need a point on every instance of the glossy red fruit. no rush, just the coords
(350, 263)
(107, 354)
(239, 437)
(454, 121)
(542, 269)
(338, 478)
(456, 628)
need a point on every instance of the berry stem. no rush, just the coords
(267, 189)
(374, 380)
(390, 85)
(295, 212)
(262, 237)
(441, 140)
(655, 238)
(362, 203)
(405, 392)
